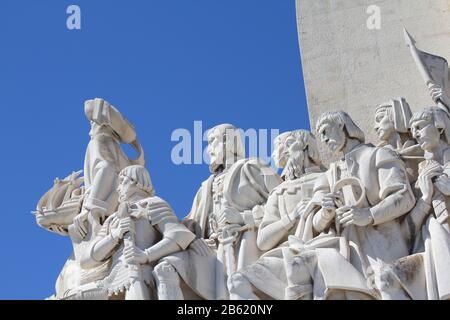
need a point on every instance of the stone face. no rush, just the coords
(348, 67)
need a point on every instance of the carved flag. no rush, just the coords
(434, 69)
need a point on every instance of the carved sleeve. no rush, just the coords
(164, 220)
(321, 221)
(395, 192)
(273, 227)
(103, 245)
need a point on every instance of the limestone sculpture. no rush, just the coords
(393, 130)
(133, 239)
(83, 208)
(373, 225)
(423, 274)
(297, 154)
(225, 209)
(361, 197)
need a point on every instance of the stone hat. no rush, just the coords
(103, 113)
(400, 113)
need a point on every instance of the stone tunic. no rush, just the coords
(267, 275)
(154, 220)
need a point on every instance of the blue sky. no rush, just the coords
(164, 64)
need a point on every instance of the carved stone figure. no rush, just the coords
(434, 71)
(424, 274)
(393, 130)
(78, 207)
(103, 161)
(374, 225)
(118, 263)
(223, 209)
(297, 154)
(55, 212)
(362, 197)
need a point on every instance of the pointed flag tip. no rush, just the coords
(408, 39)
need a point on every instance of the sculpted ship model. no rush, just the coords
(373, 225)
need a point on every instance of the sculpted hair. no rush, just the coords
(140, 175)
(438, 117)
(343, 119)
(308, 142)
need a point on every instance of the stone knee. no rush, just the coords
(240, 287)
(167, 282)
(383, 279)
(299, 281)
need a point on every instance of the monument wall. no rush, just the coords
(350, 66)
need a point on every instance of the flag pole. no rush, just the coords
(410, 43)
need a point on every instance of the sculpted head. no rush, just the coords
(134, 180)
(280, 154)
(335, 128)
(392, 117)
(225, 146)
(430, 127)
(297, 151)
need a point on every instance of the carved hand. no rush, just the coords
(426, 185)
(125, 225)
(437, 93)
(443, 184)
(298, 211)
(329, 205)
(230, 216)
(357, 216)
(134, 255)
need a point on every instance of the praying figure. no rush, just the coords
(297, 154)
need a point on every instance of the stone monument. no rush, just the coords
(351, 65)
(362, 220)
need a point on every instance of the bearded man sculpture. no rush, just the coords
(225, 208)
(297, 154)
(356, 209)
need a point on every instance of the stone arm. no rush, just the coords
(322, 218)
(273, 228)
(422, 209)
(322, 221)
(175, 235)
(257, 181)
(395, 192)
(103, 246)
(415, 219)
(103, 249)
